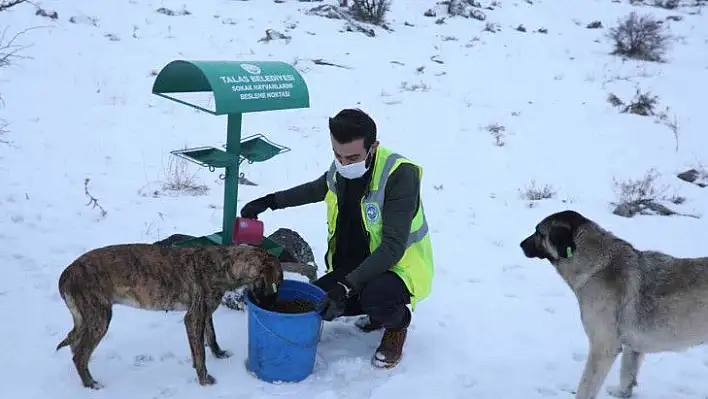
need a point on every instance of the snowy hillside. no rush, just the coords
(510, 117)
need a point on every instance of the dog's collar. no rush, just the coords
(273, 289)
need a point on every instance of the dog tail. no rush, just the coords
(70, 337)
(65, 293)
(67, 341)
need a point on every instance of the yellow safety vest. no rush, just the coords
(416, 266)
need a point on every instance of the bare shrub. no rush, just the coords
(667, 4)
(9, 48)
(614, 100)
(9, 51)
(422, 87)
(8, 4)
(370, 11)
(85, 20)
(3, 131)
(272, 34)
(93, 201)
(51, 14)
(670, 122)
(533, 192)
(179, 179)
(497, 132)
(640, 37)
(492, 27)
(643, 196)
(642, 189)
(173, 13)
(642, 104)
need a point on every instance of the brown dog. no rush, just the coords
(156, 277)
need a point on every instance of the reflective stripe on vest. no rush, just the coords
(377, 195)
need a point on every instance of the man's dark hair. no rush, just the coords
(353, 124)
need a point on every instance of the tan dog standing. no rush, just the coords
(631, 301)
(157, 277)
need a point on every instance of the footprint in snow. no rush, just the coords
(547, 392)
(185, 360)
(113, 356)
(507, 268)
(142, 360)
(166, 393)
(579, 357)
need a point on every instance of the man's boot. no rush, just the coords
(367, 325)
(390, 351)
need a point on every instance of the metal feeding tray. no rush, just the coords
(258, 148)
(211, 157)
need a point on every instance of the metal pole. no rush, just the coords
(233, 147)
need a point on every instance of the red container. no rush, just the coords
(248, 231)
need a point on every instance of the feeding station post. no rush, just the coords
(238, 87)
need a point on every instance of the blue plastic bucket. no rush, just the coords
(283, 347)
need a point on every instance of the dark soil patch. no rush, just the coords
(292, 306)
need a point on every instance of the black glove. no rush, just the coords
(335, 301)
(252, 209)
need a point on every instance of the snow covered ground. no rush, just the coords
(497, 325)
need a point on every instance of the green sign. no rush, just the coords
(238, 86)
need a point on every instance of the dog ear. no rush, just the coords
(561, 238)
(571, 218)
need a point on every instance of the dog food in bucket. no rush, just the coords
(292, 306)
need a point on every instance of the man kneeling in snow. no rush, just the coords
(379, 257)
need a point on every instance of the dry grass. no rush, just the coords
(533, 192)
(179, 178)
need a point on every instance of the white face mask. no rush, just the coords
(353, 170)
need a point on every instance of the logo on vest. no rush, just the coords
(372, 212)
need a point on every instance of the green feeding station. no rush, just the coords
(281, 347)
(237, 88)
